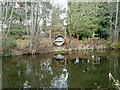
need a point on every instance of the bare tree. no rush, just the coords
(5, 18)
(10, 21)
(32, 27)
(26, 17)
(116, 21)
(0, 45)
(36, 20)
(6, 14)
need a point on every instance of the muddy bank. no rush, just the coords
(15, 47)
(89, 44)
(46, 46)
(22, 48)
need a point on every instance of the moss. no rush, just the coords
(77, 50)
(8, 54)
(116, 46)
(89, 49)
(19, 42)
(25, 37)
(60, 50)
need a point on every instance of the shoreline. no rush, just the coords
(22, 47)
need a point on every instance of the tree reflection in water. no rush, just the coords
(77, 70)
(60, 81)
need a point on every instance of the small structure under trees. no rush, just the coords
(58, 34)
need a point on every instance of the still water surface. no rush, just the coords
(74, 70)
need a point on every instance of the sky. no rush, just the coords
(61, 3)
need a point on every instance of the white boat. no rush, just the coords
(59, 40)
(59, 57)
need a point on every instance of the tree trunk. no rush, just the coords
(10, 21)
(70, 29)
(20, 18)
(111, 26)
(36, 22)
(5, 18)
(1, 45)
(6, 14)
(32, 27)
(116, 22)
(26, 18)
(117, 30)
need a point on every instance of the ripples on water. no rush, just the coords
(73, 70)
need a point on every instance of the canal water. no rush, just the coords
(83, 69)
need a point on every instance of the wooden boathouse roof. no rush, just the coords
(58, 29)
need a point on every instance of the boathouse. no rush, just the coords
(58, 34)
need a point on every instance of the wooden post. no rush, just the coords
(65, 34)
(50, 36)
(78, 37)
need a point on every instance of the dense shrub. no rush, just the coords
(9, 44)
(103, 33)
(84, 34)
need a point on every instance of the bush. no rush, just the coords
(103, 33)
(25, 37)
(9, 44)
(83, 38)
(12, 43)
(13, 33)
(84, 34)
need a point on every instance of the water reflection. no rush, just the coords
(26, 84)
(75, 70)
(59, 57)
(60, 81)
(58, 60)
